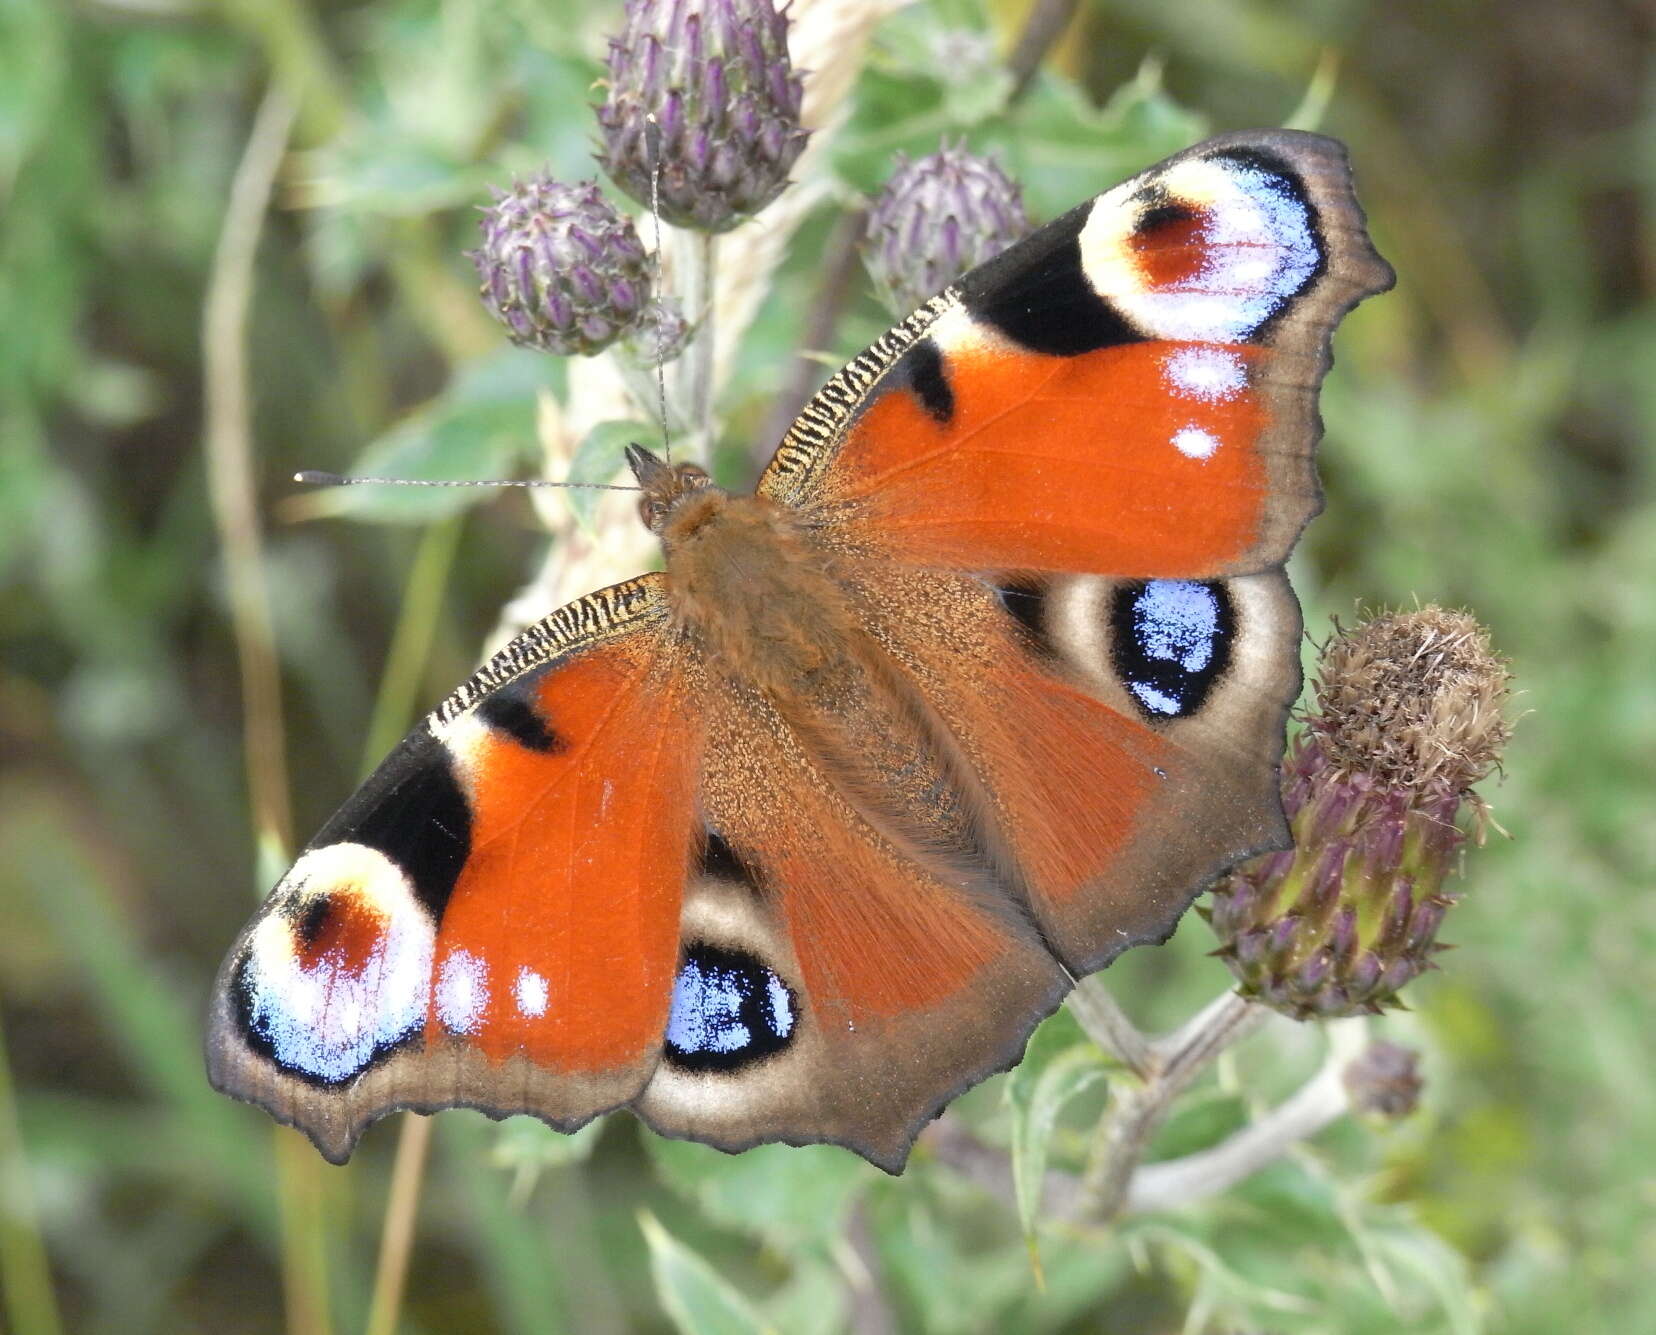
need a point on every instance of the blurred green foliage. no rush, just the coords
(1489, 444)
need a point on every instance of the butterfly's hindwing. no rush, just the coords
(1212, 669)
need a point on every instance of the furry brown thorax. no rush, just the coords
(745, 581)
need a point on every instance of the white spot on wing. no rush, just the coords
(531, 993)
(1209, 375)
(781, 1005)
(1195, 443)
(706, 1004)
(1176, 620)
(1153, 699)
(462, 991)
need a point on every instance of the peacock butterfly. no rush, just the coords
(799, 838)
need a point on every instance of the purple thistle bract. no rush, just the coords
(1408, 718)
(716, 76)
(938, 217)
(560, 267)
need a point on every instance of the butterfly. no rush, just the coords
(800, 837)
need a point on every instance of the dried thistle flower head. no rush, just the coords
(717, 78)
(560, 267)
(1413, 699)
(1409, 717)
(938, 217)
(1384, 1081)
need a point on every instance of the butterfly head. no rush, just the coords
(666, 487)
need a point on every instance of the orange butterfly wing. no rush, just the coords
(492, 921)
(1129, 391)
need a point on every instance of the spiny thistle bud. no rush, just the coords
(937, 217)
(660, 334)
(1383, 1081)
(1408, 719)
(560, 267)
(716, 76)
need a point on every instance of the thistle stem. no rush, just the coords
(228, 446)
(401, 1214)
(1100, 1015)
(1136, 1112)
(1164, 1186)
(698, 362)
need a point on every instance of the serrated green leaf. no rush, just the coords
(598, 458)
(1036, 1103)
(790, 1196)
(697, 1298)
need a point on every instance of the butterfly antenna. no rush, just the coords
(313, 477)
(652, 147)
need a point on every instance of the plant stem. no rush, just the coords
(1101, 1016)
(1136, 1112)
(29, 1304)
(399, 685)
(402, 1210)
(1045, 25)
(697, 363)
(228, 443)
(1163, 1186)
(229, 449)
(411, 639)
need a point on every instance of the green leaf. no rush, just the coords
(790, 1196)
(693, 1294)
(598, 458)
(1037, 1093)
(481, 427)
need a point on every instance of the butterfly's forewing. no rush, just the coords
(1129, 391)
(492, 920)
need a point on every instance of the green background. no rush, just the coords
(1489, 446)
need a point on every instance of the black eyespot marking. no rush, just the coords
(308, 927)
(1171, 642)
(929, 381)
(1037, 293)
(510, 711)
(1166, 213)
(729, 1009)
(412, 810)
(1026, 600)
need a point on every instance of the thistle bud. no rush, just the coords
(560, 267)
(1408, 719)
(938, 217)
(660, 334)
(1383, 1081)
(717, 78)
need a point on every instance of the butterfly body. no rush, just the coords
(800, 837)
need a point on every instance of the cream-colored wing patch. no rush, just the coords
(1207, 251)
(341, 972)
